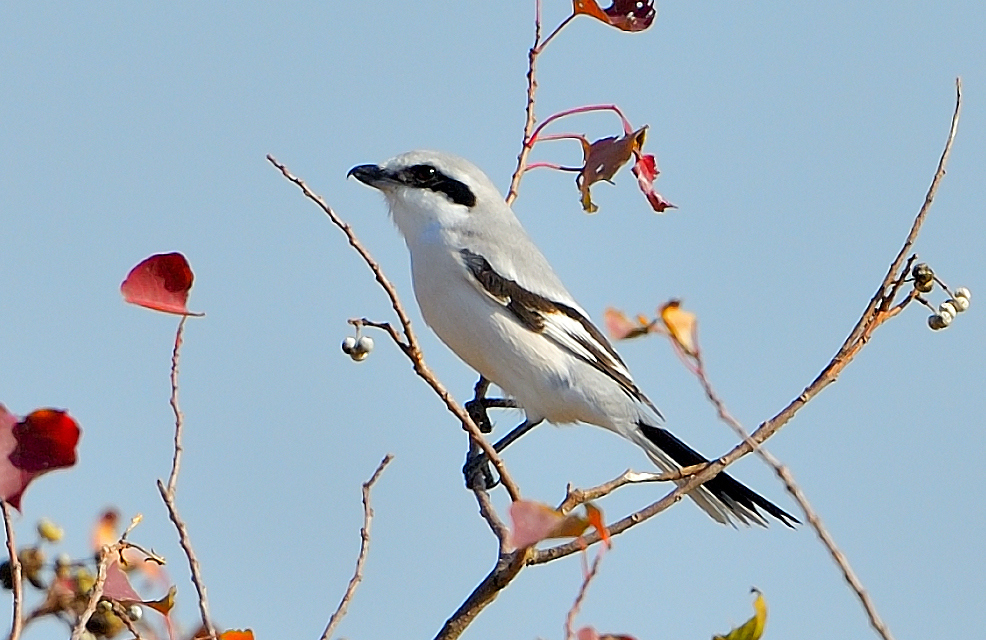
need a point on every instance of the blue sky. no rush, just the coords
(797, 141)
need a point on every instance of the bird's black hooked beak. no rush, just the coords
(368, 174)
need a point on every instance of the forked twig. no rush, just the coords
(168, 492)
(364, 547)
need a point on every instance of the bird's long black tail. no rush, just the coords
(741, 501)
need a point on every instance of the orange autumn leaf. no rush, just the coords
(682, 326)
(165, 604)
(235, 634)
(595, 517)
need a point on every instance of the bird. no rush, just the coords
(491, 296)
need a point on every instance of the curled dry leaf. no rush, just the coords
(161, 282)
(603, 158)
(43, 441)
(626, 15)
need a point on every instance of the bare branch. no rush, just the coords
(840, 559)
(488, 513)
(179, 418)
(355, 243)
(168, 492)
(16, 575)
(364, 548)
(529, 117)
(507, 567)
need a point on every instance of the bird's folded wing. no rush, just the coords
(563, 324)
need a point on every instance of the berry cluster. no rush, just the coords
(924, 282)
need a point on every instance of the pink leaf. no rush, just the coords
(532, 522)
(161, 282)
(43, 441)
(621, 327)
(117, 585)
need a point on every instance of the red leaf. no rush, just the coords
(645, 168)
(43, 441)
(626, 15)
(161, 282)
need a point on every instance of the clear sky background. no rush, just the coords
(798, 141)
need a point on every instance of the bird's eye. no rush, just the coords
(422, 173)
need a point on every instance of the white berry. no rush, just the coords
(960, 303)
(937, 322)
(348, 345)
(365, 344)
(947, 308)
(962, 292)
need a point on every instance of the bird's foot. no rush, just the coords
(477, 471)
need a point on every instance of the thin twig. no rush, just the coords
(792, 488)
(529, 117)
(16, 575)
(193, 563)
(575, 497)
(858, 331)
(840, 559)
(124, 615)
(409, 345)
(580, 597)
(364, 547)
(179, 418)
(488, 513)
(95, 593)
(168, 492)
(354, 242)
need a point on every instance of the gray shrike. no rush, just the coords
(491, 296)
